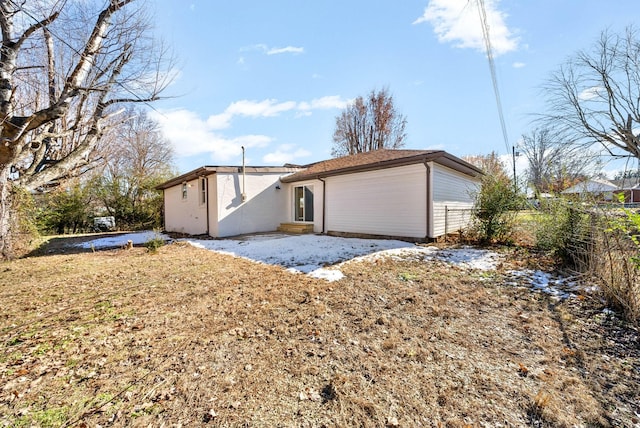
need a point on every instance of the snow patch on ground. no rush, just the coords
(309, 254)
(321, 256)
(121, 240)
(559, 288)
(327, 274)
(465, 257)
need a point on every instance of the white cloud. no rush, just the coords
(458, 22)
(285, 153)
(264, 108)
(219, 121)
(190, 135)
(252, 140)
(436, 147)
(272, 108)
(289, 49)
(324, 103)
(268, 50)
(522, 163)
(519, 64)
(591, 93)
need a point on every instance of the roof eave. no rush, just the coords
(205, 171)
(439, 156)
(188, 176)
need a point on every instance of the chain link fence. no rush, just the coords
(600, 242)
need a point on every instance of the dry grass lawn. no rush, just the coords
(188, 337)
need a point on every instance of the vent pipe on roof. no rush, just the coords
(244, 195)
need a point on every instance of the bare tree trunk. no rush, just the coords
(51, 131)
(5, 214)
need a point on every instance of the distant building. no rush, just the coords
(593, 189)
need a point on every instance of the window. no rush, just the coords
(303, 203)
(184, 190)
(203, 190)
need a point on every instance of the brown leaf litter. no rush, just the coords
(188, 336)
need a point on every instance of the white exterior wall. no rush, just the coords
(212, 201)
(318, 208)
(185, 215)
(391, 202)
(454, 191)
(263, 211)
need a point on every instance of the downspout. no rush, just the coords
(206, 193)
(428, 212)
(324, 202)
(244, 194)
(164, 209)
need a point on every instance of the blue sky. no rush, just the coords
(272, 76)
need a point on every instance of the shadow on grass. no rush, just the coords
(616, 342)
(73, 244)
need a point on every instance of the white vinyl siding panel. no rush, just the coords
(453, 191)
(390, 202)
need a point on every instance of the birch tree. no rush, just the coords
(66, 67)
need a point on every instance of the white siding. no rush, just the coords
(452, 191)
(263, 211)
(212, 200)
(389, 202)
(185, 215)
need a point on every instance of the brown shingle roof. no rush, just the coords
(380, 159)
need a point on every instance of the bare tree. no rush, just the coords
(555, 162)
(490, 164)
(593, 97)
(137, 160)
(65, 67)
(137, 147)
(369, 124)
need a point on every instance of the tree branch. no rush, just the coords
(34, 27)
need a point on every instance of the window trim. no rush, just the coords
(203, 190)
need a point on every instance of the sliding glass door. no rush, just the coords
(303, 201)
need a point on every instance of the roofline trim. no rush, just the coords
(451, 162)
(205, 171)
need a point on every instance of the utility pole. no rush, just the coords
(515, 177)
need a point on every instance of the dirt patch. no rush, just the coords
(187, 336)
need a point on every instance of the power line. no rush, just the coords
(492, 68)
